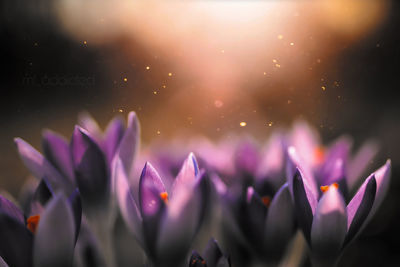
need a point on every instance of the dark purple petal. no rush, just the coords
(127, 203)
(382, 177)
(56, 151)
(305, 204)
(329, 226)
(112, 138)
(280, 222)
(7, 207)
(359, 207)
(90, 168)
(197, 261)
(56, 224)
(129, 144)
(41, 168)
(39, 199)
(212, 253)
(150, 188)
(74, 201)
(16, 242)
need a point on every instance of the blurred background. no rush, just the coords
(207, 68)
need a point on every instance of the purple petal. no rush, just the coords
(90, 168)
(294, 163)
(360, 162)
(280, 222)
(7, 207)
(56, 151)
(329, 226)
(305, 204)
(247, 157)
(16, 242)
(39, 199)
(56, 223)
(74, 200)
(112, 138)
(129, 144)
(87, 122)
(127, 203)
(182, 219)
(359, 207)
(41, 168)
(150, 188)
(3, 263)
(212, 253)
(186, 176)
(382, 177)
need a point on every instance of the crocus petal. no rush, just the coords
(329, 226)
(212, 253)
(254, 215)
(280, 222)
(305, 204)
(129, 144)
(127, 203)
(56, 151)
(182, 220)
(74, 200)
(7, 207)
(16, 242)
(223, 262)
(197, 261)
(360, 162)
(3, 263)
(150, 188)
(359, 207)
(382, 176)
(112, 137)
(295, 162)
(87, 122)
(41, 168)
(247, 157)
(55, 238)
(40, 197)
(90, 168)
(186, 175)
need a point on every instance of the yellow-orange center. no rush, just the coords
(266, 200)
(319, 154)
(164, 197)
(325, 188)
(32, 223)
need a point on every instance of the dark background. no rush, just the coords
(364, 105)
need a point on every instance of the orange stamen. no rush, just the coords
(32, 223)
(319, 154)
(266, 200)
(164, 196)
(325, 188)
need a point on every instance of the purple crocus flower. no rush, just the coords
(85, 162)
(47, 237)
(164, 221)
(211, 257)
(328, 222)
(258, 219)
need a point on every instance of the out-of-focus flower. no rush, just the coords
(328, 224)
(47, 237)
(164, 221)
(258, 220)
(86, 161)
(211, 257)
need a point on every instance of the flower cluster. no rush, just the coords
(253, 196)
